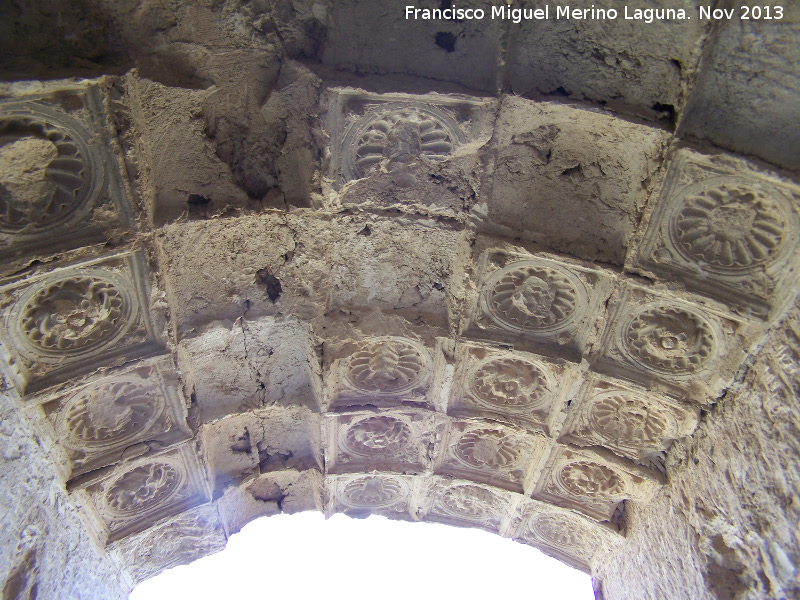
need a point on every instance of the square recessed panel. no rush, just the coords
(592, 482)
(627, 419)
(136, 494)
(670, 344)
(76, 318)
(376, 493)
(518, 388)
(467, 504)
(126, 413)
(399, 441)
(726, 231)
(489, 453)
(538, 304)
(62, 183)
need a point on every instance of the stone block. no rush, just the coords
(378, 493)
(466, 504)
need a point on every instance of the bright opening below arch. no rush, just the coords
(304, 556)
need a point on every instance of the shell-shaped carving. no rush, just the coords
(591, 479)
(469, 502)
(669, 339)
(49, 174)
(623, 419)
(143, 487)
(387, 366)
(373, 492)
(73, 314)
(377, 435)
(510, 383)
(728, 225)
(109, 414)
(534, 296)
(490, 448)
(397, 134)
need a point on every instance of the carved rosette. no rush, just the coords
(488, 448)
(377, 435)
(395, 134)
(51, 174)
(385, 370)
(373, 492)
(624, 420)
(510, 384)
(729, 225)
(109, 414)
(534, 297)
(669, 340)
(592, 480)
(568, 537)
(142, 488)
(74, 314)
(470, 503)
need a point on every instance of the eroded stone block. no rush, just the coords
(572, 180)
(250, 365)
(489, 453)
(514, 387)
(178, 540)
(466, 504)
(397, 441)
(536, 303)
(627, 419)
(73, 319)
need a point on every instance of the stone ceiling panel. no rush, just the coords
(378, 493)
(73, 319)
(536, 303)
(466, 504)
(746, 95)
(129, 412)
(726, 231)
(518, 388)
(628, 64)
(62, 176)
(573, 180)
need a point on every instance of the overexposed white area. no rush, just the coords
(305, 556)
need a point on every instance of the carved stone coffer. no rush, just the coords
(466, 504)
(536, 303)
(725, 231)
(378, 493)
(136, 494)
(74, 319)
(381, 372)
(513, 387)
(60, 182)
(126, 413)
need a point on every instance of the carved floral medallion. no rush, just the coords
(386, 366)
(373, 492)
(469, 502)
(509, 383)
(591, 479)
(624, 420)
(142, 488)
(377, 435)
(492, 448)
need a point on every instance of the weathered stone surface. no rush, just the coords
(310, 273)
(570, 179)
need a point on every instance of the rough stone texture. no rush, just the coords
(275, 258)
(747, 87)
(562, 178)
(45, 550)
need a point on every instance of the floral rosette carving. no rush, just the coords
(534, 297)
(387, 366)
(481, 448)
(143, 488)
(377, 435)
(510, 383)
(622, 419)
(468, 502)
(373, 492)
(396, 134)
(563, 533)
(109, 414)
(50, 175)
(74, 314)
(592, 480)
(729, 226)
(669, 340)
